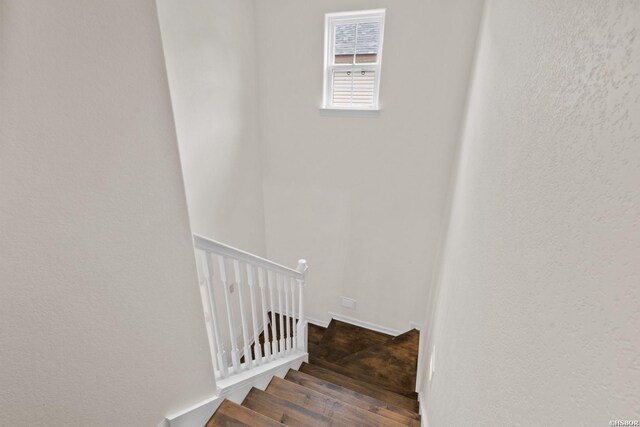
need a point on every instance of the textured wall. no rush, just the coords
(100, 317)
(211, 63)
(362, 196)
(539, 306)
(210, 54)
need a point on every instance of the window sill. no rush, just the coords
(357, 112)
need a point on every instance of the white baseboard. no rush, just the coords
(422, 354)
(235, 388)
(318, 322)
(196, 415)
(424, 422)
(357, 322)
(364, 324)
(251, 377)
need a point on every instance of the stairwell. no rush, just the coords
(355, 377)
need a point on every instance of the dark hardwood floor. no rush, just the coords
(392, 364)
(355, 377)
(343, 339)
(354, 398)
(230, 414)
(314, 336)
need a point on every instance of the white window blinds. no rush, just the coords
(353, 87)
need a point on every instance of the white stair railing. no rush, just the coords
(227, 271)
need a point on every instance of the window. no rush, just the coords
(353, 52)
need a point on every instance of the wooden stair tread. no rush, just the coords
(340, 413)
(342, 339)
(373, 378)
(392, 365)
(360, 386)
(357, 377)
(311, 347)
(282, 410)
(354, 398)
(232, 414)
(314, 334)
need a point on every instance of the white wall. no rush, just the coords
(211, 63)
(537, 319)
(362, 196)
(100, 318)
(210, 52)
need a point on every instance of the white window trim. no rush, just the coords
(330, 21)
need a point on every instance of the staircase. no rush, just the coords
(255, 316)
(355, 377)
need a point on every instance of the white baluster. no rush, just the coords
(254, 317)
(274, 344)
(235, 356)
(282, 348)
(294, 338)
(248, 361)
(302, 323)
(207, 272)
(265, 319)
(287, 315)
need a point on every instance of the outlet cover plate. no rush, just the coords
(348, 303)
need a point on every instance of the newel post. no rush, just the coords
(302, 321)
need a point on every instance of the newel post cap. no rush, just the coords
(302, 266)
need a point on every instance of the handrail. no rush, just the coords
(276, 295)
(206, 244)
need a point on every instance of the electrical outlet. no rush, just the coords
(348, 303)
